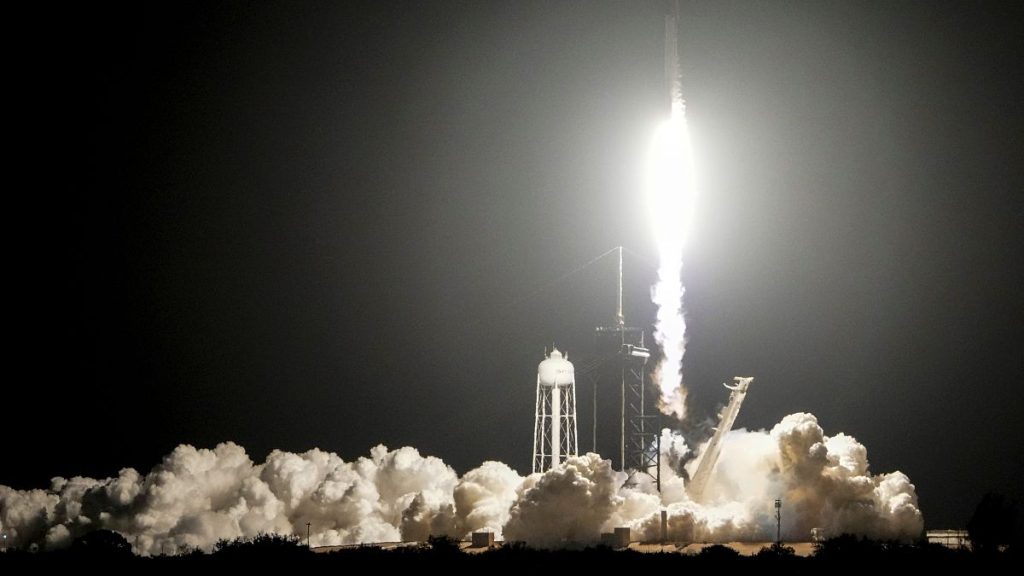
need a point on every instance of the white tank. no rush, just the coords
(555, 370)
(554, 427)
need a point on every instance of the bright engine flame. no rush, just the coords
(672, 196)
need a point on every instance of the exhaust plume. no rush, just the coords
(671, 193)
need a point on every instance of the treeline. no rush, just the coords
(844, 552)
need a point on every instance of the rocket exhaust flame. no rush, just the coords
(672, 195)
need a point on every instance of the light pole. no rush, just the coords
(778, 521)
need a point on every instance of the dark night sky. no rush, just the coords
(310, 224)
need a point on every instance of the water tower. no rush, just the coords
(554, 428)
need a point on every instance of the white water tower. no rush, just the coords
(554, 428)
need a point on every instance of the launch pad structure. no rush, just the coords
(622, 353)
(622, 357)
(727, 417)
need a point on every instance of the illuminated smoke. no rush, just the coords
(196, 497)
(484, 497)
(567, 505)
(824, 483)
(672, 195)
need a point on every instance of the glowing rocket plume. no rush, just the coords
(671, 197)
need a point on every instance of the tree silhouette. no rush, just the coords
(102, 543)
(718, 552)
(992, 523)
(262, 546)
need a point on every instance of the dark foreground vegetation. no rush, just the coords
(111, 550)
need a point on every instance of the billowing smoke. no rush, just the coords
(196, 497)
(567, 505)
(484, 497)
(824, 483)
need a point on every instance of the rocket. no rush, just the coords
(673, 74)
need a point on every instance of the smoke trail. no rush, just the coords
(195, 497)
(672, 194)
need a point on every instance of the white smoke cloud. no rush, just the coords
(824, 483)
(484, 497)
(567, 505)
(195, 497)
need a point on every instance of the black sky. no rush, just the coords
(309, 224)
